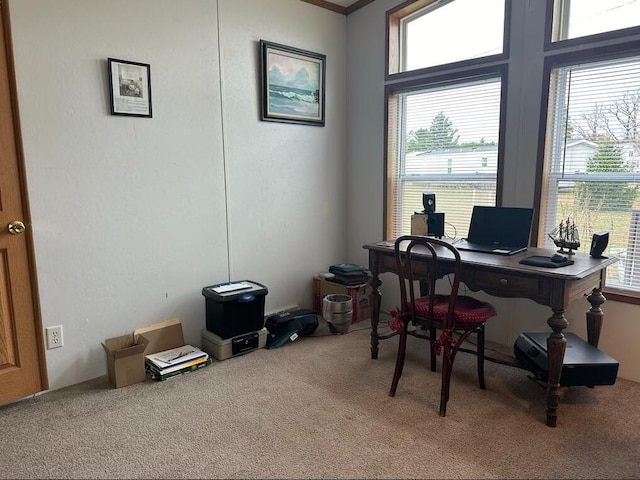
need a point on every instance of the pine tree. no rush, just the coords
(606, 196)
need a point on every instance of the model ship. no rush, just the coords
(565, 235)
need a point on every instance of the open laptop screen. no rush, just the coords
(500, 226)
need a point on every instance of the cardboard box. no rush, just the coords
(419, 224)
(161, 336)
(125, 354)
(359, 294)
(125, 360)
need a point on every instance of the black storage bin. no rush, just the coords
(237, 311)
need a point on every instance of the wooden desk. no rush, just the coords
(504, 276)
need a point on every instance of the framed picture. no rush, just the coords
(292, 84)
(130, 88)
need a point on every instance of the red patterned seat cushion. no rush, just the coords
(467, 309)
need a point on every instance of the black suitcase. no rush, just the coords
(287, 326)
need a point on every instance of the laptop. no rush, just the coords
(499, 230)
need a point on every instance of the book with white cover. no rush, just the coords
(175, 356)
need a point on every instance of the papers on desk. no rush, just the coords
(386, 243)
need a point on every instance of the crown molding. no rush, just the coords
(337, 8)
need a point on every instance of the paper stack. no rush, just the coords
(169, 363)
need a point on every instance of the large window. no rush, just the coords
(444, 114)
(591, 169)
(593, 159)
(540, 106)
(444, 140)
(579, 18)
(429, 33)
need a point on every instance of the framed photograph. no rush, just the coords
(292, 84)
(130, 88)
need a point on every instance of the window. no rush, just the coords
(579, 18)
(570, 116)
(444, 112)
(435, 133)
(428, 33)
(592, 159)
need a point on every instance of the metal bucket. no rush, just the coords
(337, 310)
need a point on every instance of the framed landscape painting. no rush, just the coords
(292, 84)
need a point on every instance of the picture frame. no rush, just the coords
(292, 85)
(130, 88)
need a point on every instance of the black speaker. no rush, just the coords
(435, 224)
(599, 242)
(429, 202)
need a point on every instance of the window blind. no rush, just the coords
(592, 160)
(443, 139)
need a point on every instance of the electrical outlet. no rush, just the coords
(54, 336)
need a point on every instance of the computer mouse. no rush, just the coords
(557, 258)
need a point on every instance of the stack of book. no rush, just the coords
(177, 361)
(349, 274)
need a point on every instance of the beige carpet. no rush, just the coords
(318, 408)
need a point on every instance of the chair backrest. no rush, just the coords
(424, 260)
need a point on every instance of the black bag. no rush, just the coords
(287, 326)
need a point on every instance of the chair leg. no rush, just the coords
(481, 357)
(432, 341)
(446, 379)
(402, 347)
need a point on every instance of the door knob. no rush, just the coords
(16, 227)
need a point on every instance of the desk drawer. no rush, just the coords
(501, 284)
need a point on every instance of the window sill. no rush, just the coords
(621, 296)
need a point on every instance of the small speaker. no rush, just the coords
(435, 224)
(599, 242)
(429, 202)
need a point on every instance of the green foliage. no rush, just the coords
(606, 196)
(440, 135)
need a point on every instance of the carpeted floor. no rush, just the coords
(318, 408)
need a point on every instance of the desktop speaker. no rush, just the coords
(435, 224)
(599, 242)
(429, 202)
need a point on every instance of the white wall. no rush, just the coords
(365, 107)
(133, 216)
(286, 183)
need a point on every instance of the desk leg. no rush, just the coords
(556, 346)
(595, 316)
(375, 311)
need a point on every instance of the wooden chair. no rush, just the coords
(455, 316)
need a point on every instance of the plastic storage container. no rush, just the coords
(235, 308)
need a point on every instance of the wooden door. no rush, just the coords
(22, 364)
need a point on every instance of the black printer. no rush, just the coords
(583, 363)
